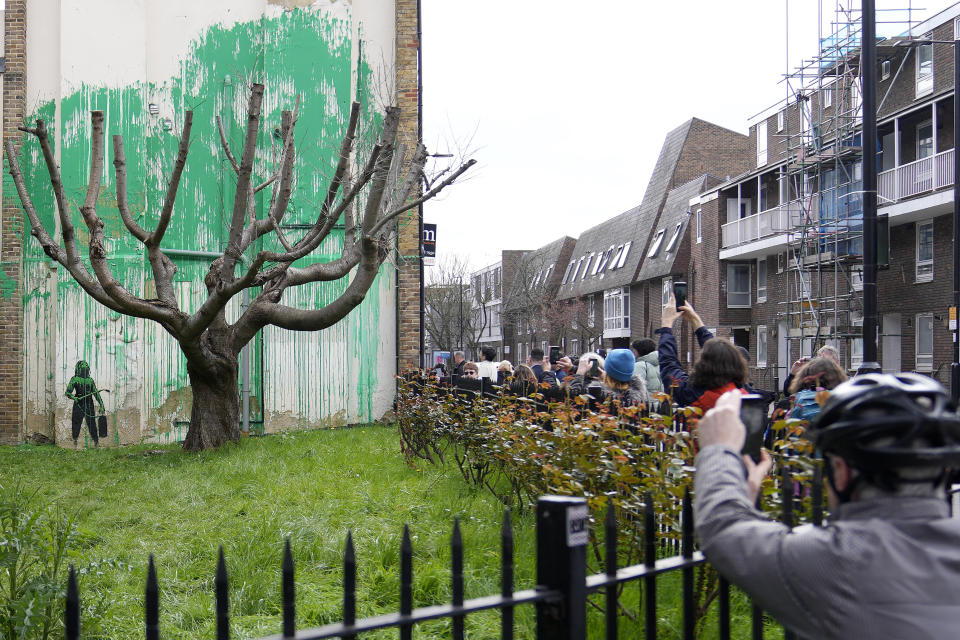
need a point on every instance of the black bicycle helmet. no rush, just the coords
(889, 421)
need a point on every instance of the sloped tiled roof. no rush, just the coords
(633, 227)
(675, 212)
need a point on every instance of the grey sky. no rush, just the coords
(565, 104)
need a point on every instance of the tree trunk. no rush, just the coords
(215, 417)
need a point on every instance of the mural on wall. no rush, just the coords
(83, 391)
(201, 57)
(168, 59)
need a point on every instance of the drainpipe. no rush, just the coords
(419, 141)
(245, 371)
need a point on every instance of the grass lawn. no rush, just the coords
(310, 486)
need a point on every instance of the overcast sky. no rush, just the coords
(565, 104)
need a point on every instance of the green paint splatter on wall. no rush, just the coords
(298, 52)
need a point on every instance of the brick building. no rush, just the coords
(790, 229)
(609, 267)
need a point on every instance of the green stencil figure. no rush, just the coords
(82, 390)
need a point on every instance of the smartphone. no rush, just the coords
(753, 414)
(680, 293)
(554, 355)
(594, 368)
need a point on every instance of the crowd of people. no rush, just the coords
(885, 564)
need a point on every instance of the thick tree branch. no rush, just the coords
(173, 186)
(130, 304)
(67, 231)
(120, 167)
(379, 183)
(76, 268)
(233, 250)
(271, 312)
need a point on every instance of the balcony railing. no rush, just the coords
(914, 178)
(771, 222)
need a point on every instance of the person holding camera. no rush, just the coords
(588, 378)
(886, 564)
(719, 369)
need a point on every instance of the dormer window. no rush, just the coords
(616, 256)
(655, 245)
(600, 260)
(673, 239)
(623, 256)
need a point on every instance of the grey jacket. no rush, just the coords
(885, 568)
(648, 368)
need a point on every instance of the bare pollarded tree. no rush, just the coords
(368, 196)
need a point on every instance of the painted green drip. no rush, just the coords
(301, 51)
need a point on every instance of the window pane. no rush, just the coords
(925, 335)
(925, 242)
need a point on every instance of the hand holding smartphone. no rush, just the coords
(554, 354)
(753, 414)
(680, 293)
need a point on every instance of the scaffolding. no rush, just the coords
(822, 178)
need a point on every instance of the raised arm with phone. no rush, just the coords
(720, 367)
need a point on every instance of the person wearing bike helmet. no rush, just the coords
(886, 565)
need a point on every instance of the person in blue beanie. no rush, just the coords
(619, 382)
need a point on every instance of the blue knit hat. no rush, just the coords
(619, 364)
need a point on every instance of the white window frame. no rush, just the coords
(586, 269)
(924, 267)
(655, 245)
(781, 117)
(762, 343)
(762, 281)
(613, 261)
(956, 28)
(828, 96)
(604, 259)
(781, 261)
(616, 312)
(623, 256)
(732, 268)
(885, 69)
(600, 260)
(666, 288)
(761, 143)
(699, 226)
(924, 359)
(566, 276)
(924, 70)
(673, 239)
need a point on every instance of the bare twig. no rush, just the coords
(226, 146)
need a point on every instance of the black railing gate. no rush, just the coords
(560, 597)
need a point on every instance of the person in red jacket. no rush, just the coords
(719, 369)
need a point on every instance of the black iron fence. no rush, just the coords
(559, 597)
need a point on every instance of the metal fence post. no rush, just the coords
(562, 566)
